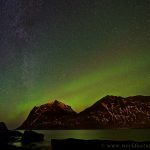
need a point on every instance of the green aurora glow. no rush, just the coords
(84, 53)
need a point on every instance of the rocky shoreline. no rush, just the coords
(7, 137)
(30, 141)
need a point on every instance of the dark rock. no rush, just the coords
(9, 136)
(12, 147)
(15, 133)
(74, 144)
(3, 126)
(31, 136)
(4, 138)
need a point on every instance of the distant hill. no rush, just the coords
(108, 112)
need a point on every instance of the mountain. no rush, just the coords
(118, 112)
(51, 115)
(108, 112)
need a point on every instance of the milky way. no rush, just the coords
(74, 51)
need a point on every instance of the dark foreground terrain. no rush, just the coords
(30, 141)
(68, 144)
(8, 137)
(77, 144)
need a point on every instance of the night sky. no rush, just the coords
(75, 51)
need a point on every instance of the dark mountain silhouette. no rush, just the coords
(50, 115)
(108, 112)
(118, 112)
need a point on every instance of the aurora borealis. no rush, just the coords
(76, 51)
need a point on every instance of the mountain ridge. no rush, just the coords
(108, 112)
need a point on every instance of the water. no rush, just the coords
(103, 134)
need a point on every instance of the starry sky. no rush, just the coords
(75, 51)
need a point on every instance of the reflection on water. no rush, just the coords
(103, 134)
(116, 134)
